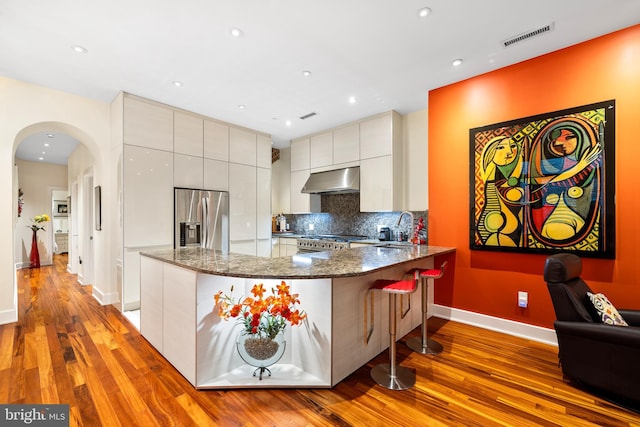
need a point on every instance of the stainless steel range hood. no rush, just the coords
(345, 180)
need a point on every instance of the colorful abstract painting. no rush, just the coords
(546, 183)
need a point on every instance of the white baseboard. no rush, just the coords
(8, 316)
(105, 299)
(505, 326)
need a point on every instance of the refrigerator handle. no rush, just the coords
(204, 230)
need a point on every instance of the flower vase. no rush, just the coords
(34, 257)
(260, 352)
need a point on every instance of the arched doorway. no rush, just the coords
(43, 180)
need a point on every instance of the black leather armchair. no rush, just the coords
(603, 357)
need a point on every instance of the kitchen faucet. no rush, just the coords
(411, 226)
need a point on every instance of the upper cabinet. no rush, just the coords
(381, 163)
(346, 144)
(187, 134)
(147, 124)
(242, 146)
(263, 151)
(374, 143)
(216, 141)
(300, 154)
(376, 136)
(321, 150)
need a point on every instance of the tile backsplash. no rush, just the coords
(341, 215)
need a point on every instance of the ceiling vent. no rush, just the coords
(306, 116)
(528, 35)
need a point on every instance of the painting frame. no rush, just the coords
(545, 184)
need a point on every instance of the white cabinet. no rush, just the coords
(167, 313)
(381, 163)
(187, 171)
(376, 184)
(263, 248)
(187, 134)
(376, 136)
(302, 202)
(242, 146)
(288, 246)
(216, 141)
(275, 247)
(346, 144)
(216, 175)
(263, 152)
(147, 197)
(147, 124)
(242, 203)
(263, 203)
(300, 155)
(321, 150)
(151, 279)
(178, 319)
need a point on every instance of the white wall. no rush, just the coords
(26, 109)
(416, 171)
(37, 181)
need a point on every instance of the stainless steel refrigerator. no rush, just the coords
(201, 218)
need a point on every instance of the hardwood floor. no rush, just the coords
(66, 348)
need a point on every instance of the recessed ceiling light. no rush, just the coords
(177, 83)
(40, 158)
(306, 73)
(236, 32)
(288, 123)
(46, 144)
(456, 62)
(241, 107)
(425, 11)
(44, 152)
(79, 49)
(50, 135)
(352, 100)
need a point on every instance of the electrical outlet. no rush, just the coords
(523, 299)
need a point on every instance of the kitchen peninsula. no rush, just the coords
(178, 315)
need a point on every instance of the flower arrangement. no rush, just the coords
(262, 316)
(37, 220)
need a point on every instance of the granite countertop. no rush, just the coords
(338, 263)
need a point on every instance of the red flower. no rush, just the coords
(258, 290)
(262, 316)
(235, 310)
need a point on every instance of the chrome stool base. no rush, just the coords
(432, 347)
(403, 379)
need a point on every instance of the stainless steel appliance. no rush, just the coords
(346, 180)
(385, 234)
(326, 242)
(201, 218)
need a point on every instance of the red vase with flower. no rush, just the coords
(34, 257)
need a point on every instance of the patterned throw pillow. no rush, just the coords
(606, 310)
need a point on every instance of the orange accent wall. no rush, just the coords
(488, 282)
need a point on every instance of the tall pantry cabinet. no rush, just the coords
(164, 147)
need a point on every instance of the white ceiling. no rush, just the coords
(378, 51)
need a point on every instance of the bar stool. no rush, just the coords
(390, 375)
(424, 345)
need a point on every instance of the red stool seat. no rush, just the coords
(395, 286)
